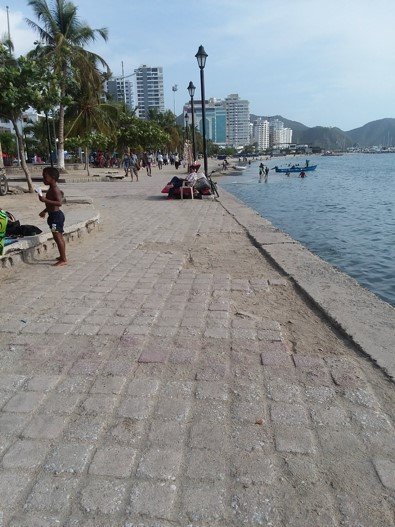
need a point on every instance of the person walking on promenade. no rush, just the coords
(147, 160)
(134, 166)
(126, 163)
(159, 159)
(53, 201)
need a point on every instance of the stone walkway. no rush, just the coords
(141, 389)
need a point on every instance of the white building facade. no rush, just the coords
(121, 90)
(261, 133)
(149, 92)
(279, 134)
(237, 121)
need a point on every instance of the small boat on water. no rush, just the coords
(239, 167)
(295, 168)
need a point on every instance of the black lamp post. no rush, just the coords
(186, 117)
(201, 57)
(191, 91)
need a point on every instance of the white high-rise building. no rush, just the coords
(261, 134)
(149, 90)
(121, 90)
(279, 135)
(237, 121)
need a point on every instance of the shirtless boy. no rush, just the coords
(53, 201)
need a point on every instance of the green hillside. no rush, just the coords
(326, 138)
(379, 133)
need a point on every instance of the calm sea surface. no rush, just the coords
(344, 211)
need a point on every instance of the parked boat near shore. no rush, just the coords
(295, 168)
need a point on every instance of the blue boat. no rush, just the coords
(295, 168)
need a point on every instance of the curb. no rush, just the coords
(26, 250)
(359, 314)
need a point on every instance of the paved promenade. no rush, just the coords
(170, 376)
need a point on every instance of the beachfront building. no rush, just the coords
(215, 119)
(120, 90)
(237, 121)
(279, 135)
(227, 120)
(260, 133)
(149, 90)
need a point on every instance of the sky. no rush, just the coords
(319, 62)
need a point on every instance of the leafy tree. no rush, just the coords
(63, 37)
(7, 142)
(21, 85)
(89, 115)
(139, 134)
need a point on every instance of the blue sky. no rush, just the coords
(320, 62)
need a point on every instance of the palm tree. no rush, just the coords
(88, 114)
(62, 39)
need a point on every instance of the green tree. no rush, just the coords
(21, 86)
(139, 134)
(63, 37)
(89, 115)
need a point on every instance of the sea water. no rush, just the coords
(344, 211)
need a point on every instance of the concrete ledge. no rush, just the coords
(27, 249)
(359, 314)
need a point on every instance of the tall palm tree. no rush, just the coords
(88, 114)
(63, 37)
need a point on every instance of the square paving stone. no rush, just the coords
(173, 409)
(276, 359)
(11, 424)
(52, 493)
(113, 460)
(155, 499)
(212, 390)
(254, 468)
(69, 458)
(12, 487)
(25, 454)
(75, 384)
(204, 502)
(98, 404)
(105, 496)
(108, 384)
(85, 428)
(168, 433)
(135, 407)
(11, 382)
(294, 439)
(289, 414)
(42, 383)
(177, 389)
(160, 464)
(61, 403)
(125, 430)
(255, 506)
(208, 435)
(24, 402)
(46, 426)
(386, 470)
(143, 387)
(281, 391)
(206, 465)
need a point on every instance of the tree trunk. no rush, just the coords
(87, 161)
(21, 145)
(61, 166)
(1, 157)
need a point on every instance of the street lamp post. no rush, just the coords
(186, 117)
(191, 91)
(201, 57)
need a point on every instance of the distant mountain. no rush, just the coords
(375, 133)
(379, 133)
(326, 138)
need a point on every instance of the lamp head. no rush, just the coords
(191, 89)
(201, 57)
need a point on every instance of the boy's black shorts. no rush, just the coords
(56, 221)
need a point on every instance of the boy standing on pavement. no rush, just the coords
(53, 201)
